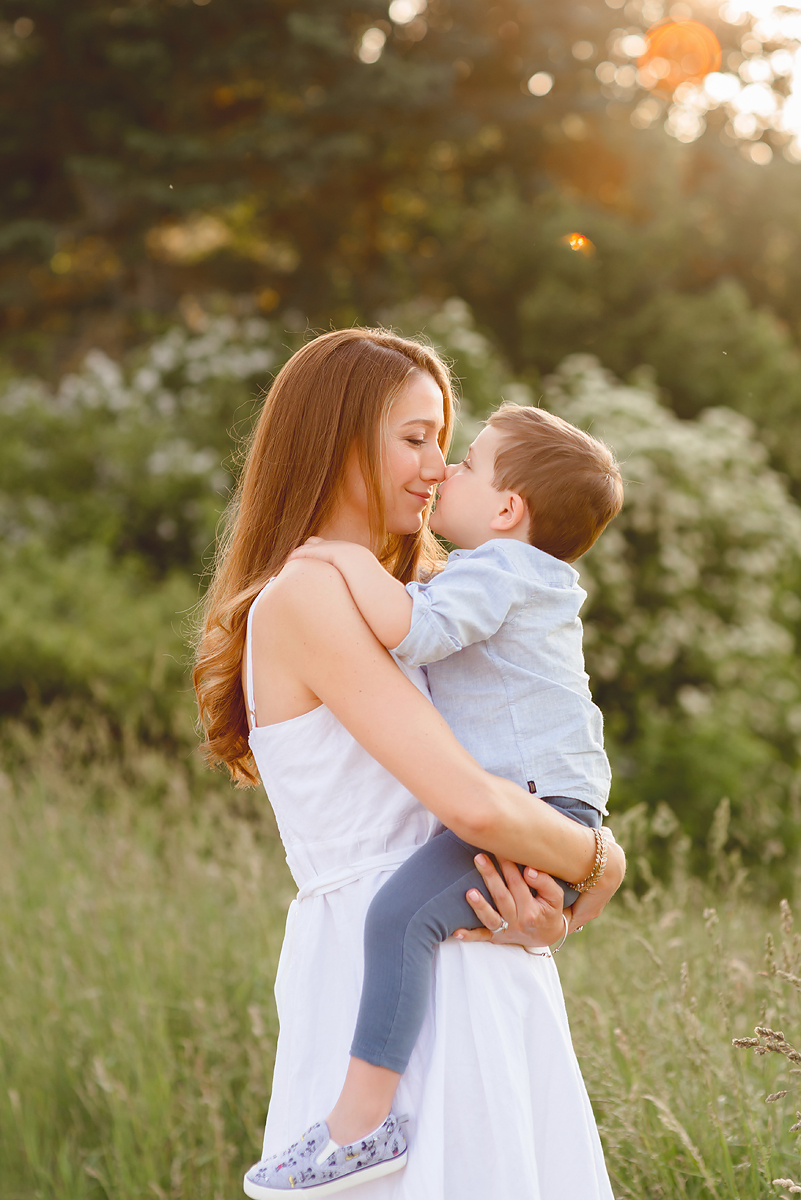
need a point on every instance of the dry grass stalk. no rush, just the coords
(768, 1041)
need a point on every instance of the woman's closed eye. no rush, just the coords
(416, 441)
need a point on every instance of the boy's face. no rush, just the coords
(467, 501)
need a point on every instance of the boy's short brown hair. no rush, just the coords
(569, 480)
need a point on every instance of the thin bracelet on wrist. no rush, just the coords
(552, 949)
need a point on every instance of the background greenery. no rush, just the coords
(192, 188)
(142, 917)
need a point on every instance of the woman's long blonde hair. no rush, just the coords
(332, 395)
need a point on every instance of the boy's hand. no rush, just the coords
(324, 551)
(383, 601)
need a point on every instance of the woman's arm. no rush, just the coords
(308, 627)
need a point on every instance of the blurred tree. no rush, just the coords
(172, 147)
(318, 159)
(111, 486)
(96, 636)
(134, 458)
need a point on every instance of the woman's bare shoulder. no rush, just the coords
(300, 625)
(307, 597)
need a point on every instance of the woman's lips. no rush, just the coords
(423, 497)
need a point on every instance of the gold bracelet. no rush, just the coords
(598, 866)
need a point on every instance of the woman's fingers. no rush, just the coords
(518, 888)
(497, 888)
(547, 887)
(538, 918)
(487, 915)
(473, 935)
(585, 909)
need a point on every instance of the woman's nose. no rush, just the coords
(434, 468)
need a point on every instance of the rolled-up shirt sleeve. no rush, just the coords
(468, 602)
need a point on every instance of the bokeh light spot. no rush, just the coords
(372, 45)
(578, 242)
(268, 299)
(575, 127)
(583, 50)
(689, 49)
(633, 45)
(403, 12)
(760, 153)
(61, 263)
(721, 87)
(540, 84)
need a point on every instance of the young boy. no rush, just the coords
(499, 635)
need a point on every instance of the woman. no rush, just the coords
(360, 769)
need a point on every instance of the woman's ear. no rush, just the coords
(512, 513)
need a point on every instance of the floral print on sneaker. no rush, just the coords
(307, 1165)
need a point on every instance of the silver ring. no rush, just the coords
(503, 926)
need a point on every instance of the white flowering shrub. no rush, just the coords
(111, 486)
(483, 379)
(110, 489)
(135, 457)
(693, 615)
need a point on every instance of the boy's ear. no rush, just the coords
(511, 514)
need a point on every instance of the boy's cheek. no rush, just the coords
(437, 521)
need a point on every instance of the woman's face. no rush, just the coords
(411, 465)
(412, 461)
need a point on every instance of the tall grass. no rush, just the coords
(142, 906)
(141, 922)
(657, 993)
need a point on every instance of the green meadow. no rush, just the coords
(143, 904)
(191, 189)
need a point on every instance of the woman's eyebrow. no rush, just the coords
(427, 421)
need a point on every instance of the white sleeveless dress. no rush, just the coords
(497, 1105)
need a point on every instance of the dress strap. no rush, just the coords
(251, 699)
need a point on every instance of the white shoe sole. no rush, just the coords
(256, 1192)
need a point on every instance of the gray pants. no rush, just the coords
(420, 906)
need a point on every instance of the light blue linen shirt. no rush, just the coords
(499, 634)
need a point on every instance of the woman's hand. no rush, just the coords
(591, 904)
(533, 920)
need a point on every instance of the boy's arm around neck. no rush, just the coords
(466, 603)
(382, 600)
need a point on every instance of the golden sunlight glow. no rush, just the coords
(680, 68)
(678, 52)
(578, 242)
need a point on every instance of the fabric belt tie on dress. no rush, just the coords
(321, 885)
(332, 881)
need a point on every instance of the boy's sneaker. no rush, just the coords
(318, 1164)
